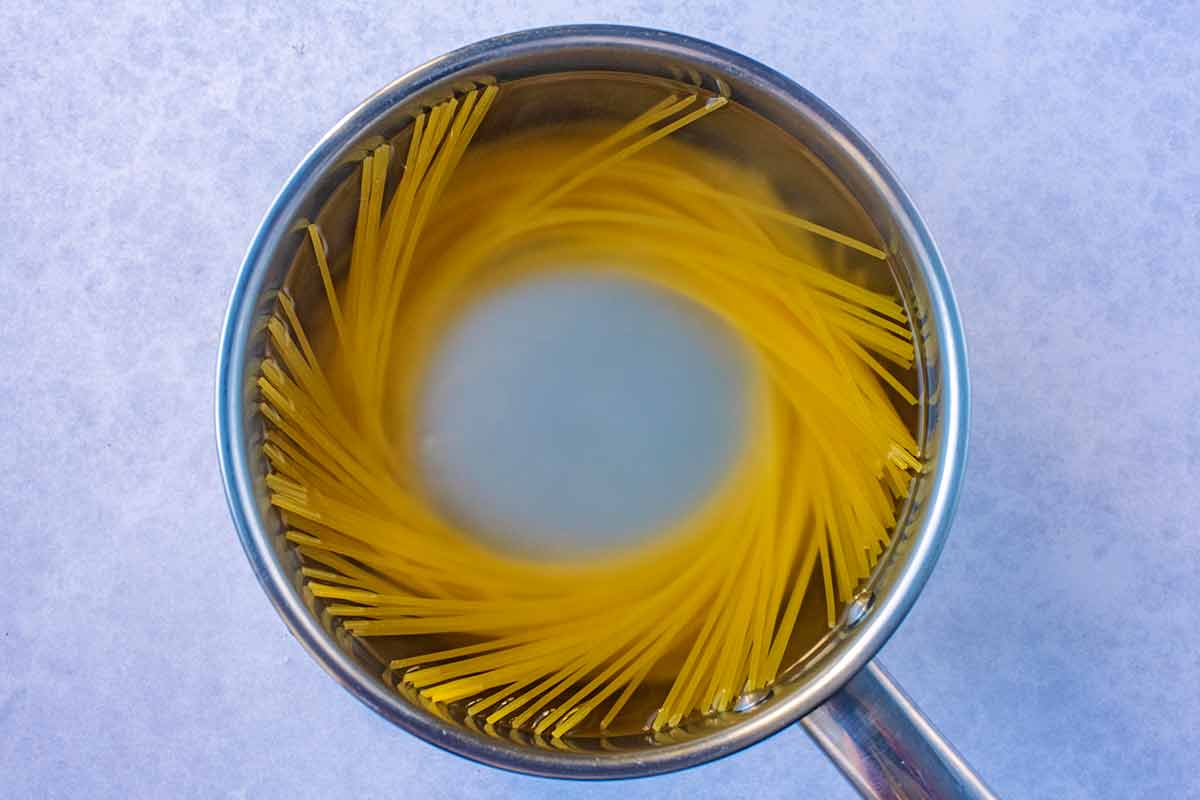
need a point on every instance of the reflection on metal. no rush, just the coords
(750, 699)
(856, 612)
(886, 748)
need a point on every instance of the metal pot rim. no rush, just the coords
(875, 630)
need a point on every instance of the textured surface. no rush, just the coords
(1054, 155)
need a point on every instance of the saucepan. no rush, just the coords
(845, 700)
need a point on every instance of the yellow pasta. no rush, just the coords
(713, 602)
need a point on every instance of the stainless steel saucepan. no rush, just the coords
(849, 705)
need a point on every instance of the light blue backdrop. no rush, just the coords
(1053, 149)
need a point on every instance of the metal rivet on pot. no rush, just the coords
(858, 608)
(748, 700)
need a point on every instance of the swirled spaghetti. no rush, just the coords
(547, 647)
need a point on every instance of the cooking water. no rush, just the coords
(576, 413)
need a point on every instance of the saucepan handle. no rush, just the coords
(884, 745)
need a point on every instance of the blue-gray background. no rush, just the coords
(1053, 151)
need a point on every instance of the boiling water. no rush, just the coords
(579, 412)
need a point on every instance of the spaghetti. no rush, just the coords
(546, 647)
